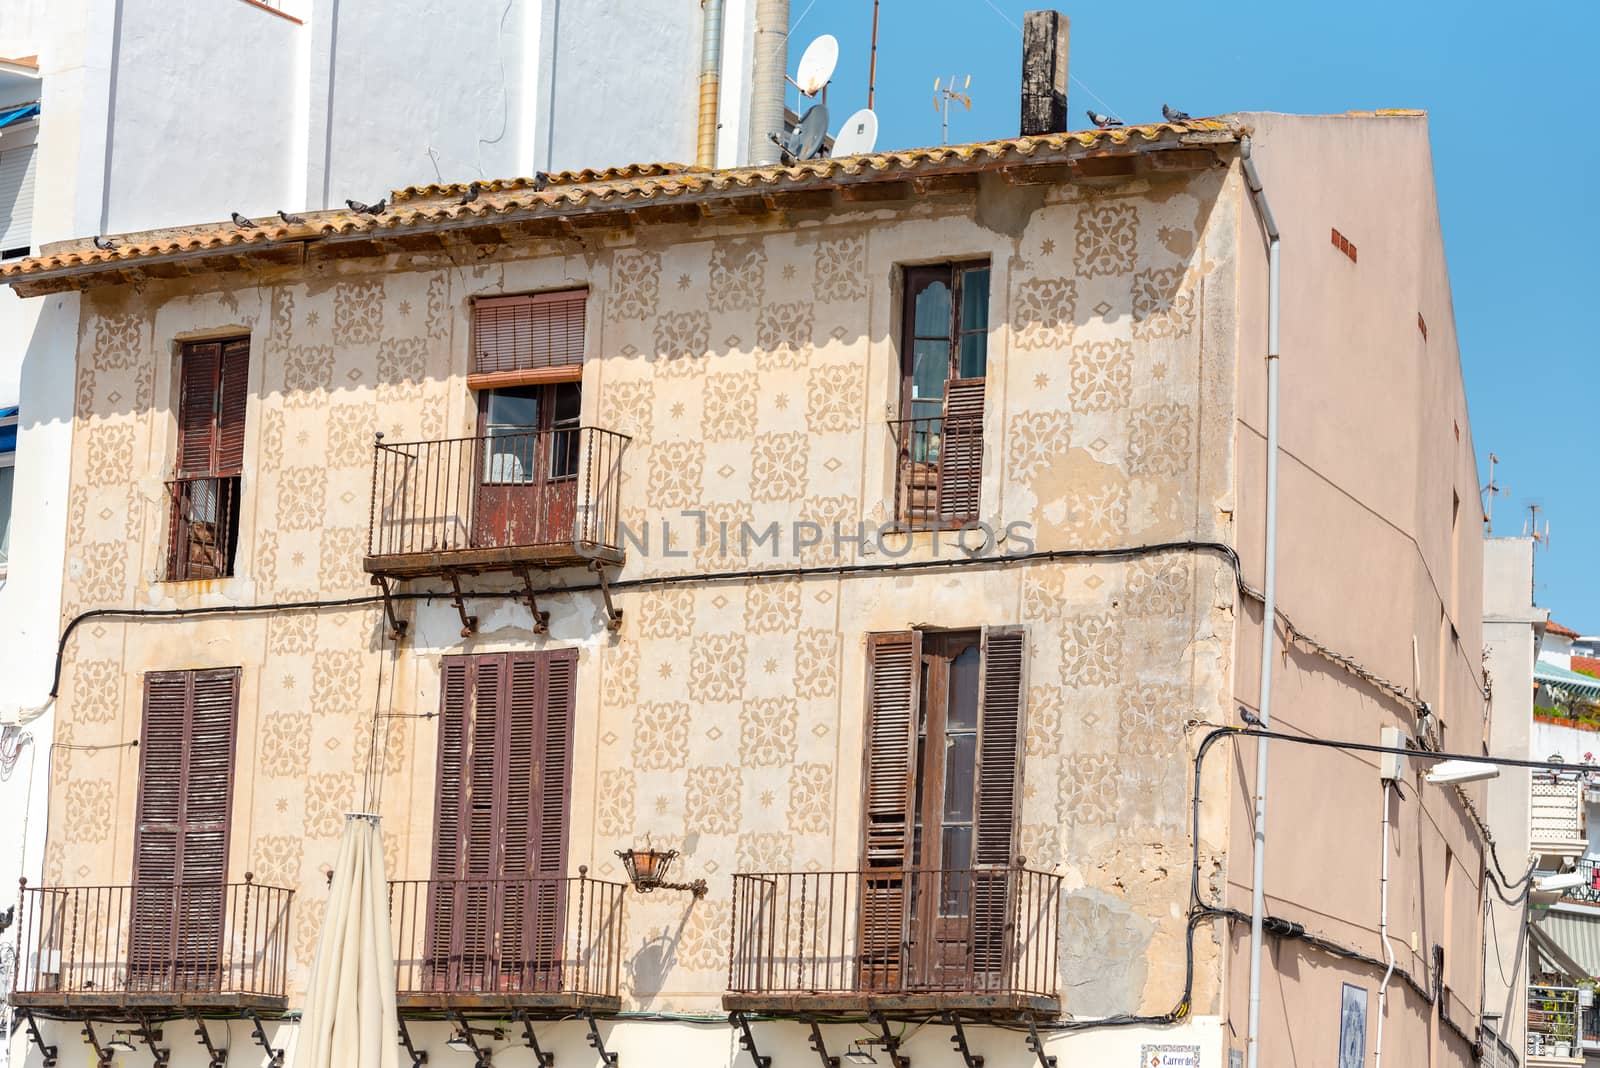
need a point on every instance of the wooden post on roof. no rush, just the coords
(1044, 72)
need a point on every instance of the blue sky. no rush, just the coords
(1512, 94)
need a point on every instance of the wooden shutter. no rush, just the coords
(528, 333)
(1002, 690)
(197, 408)
(505, 756)
(893, 671)
(232, 393)
(961, 451)
(181, 841)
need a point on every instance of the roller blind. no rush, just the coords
(16, 199)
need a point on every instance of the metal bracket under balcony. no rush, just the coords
(497, 502)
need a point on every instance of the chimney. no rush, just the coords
(1044, 72)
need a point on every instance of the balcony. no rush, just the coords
(497, 502)
(938, 470)
(1553, 1036)
(200, 946)
(507, 944)
(1557, 828)
(973, 940)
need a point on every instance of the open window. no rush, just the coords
(944, 356)
(203, 522)
(943, 772)
(527, 370)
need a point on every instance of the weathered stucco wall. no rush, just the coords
(755, 367)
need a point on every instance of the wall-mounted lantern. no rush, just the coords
(647, 870)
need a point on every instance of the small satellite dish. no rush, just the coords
(858, 135)
(809, 133)
(816, 66)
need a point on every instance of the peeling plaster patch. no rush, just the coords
(1104, 940)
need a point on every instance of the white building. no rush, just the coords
(122, 115)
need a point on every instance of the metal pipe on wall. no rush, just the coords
(1269, 606)
(767, 77)
(1383, 930)
(705, 153)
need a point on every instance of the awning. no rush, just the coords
(18, 114)
(350, 1019)
(1569, 940)
(1568, 682)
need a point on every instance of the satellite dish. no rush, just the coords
(816, 66)
(809, 132)
(858, 135)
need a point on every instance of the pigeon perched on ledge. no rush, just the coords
(242, 223)
(106, 244)
(1103, 121)
(368, 209)
(471, 194)
(1172, 114)
(292, 220)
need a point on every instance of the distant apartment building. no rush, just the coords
(882, 536)
(120, 115)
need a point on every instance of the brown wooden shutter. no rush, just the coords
(181, 841)
(1002, 690)
(197, 407)
(450, 798)
(558, 697)
(893, 674)
(961, 451)
(233, 391)
(527, 333)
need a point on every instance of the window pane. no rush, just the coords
(932, 318)
(974, 299)
(569, 400)
(974, 355)
(930, 368)
(960, 761)
(957, 844)
(514, 407)
(7, 476)
(963, 714)
(509, 458)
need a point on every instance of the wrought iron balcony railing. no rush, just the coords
(468, 943)
(938, 470)
(202, 527)
(982, 937)
(547, 497)
(194, 943)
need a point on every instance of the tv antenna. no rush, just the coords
(942, 97)
(1489, 493)
(1530, 529)
(805, 141)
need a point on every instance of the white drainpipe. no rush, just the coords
(1269, 605)
(767, 76)
(1383, 930)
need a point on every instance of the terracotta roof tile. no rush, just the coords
(587, 191)
(1559, 631)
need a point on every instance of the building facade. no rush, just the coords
(123, 115)
(879, 534)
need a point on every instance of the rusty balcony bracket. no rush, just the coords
(419, 1057)
(747, 1039)
(102, 1056)
(397, 626)
(47, 1054)
(218, 1057)
(609, 1059)
(541, 620)
(821, 1050)
(1035, 1044)
(531, 1040)
(481, 1058)
(150, 1036)
(889, 1041)
(959, 1041)
(613, 613)
(259, 1033)
(469, 624)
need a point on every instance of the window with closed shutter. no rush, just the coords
(213, 391)
(498, 884)
(530, 333)
(944, 358)
(180, 866)
(17, 169)
(943, 774)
